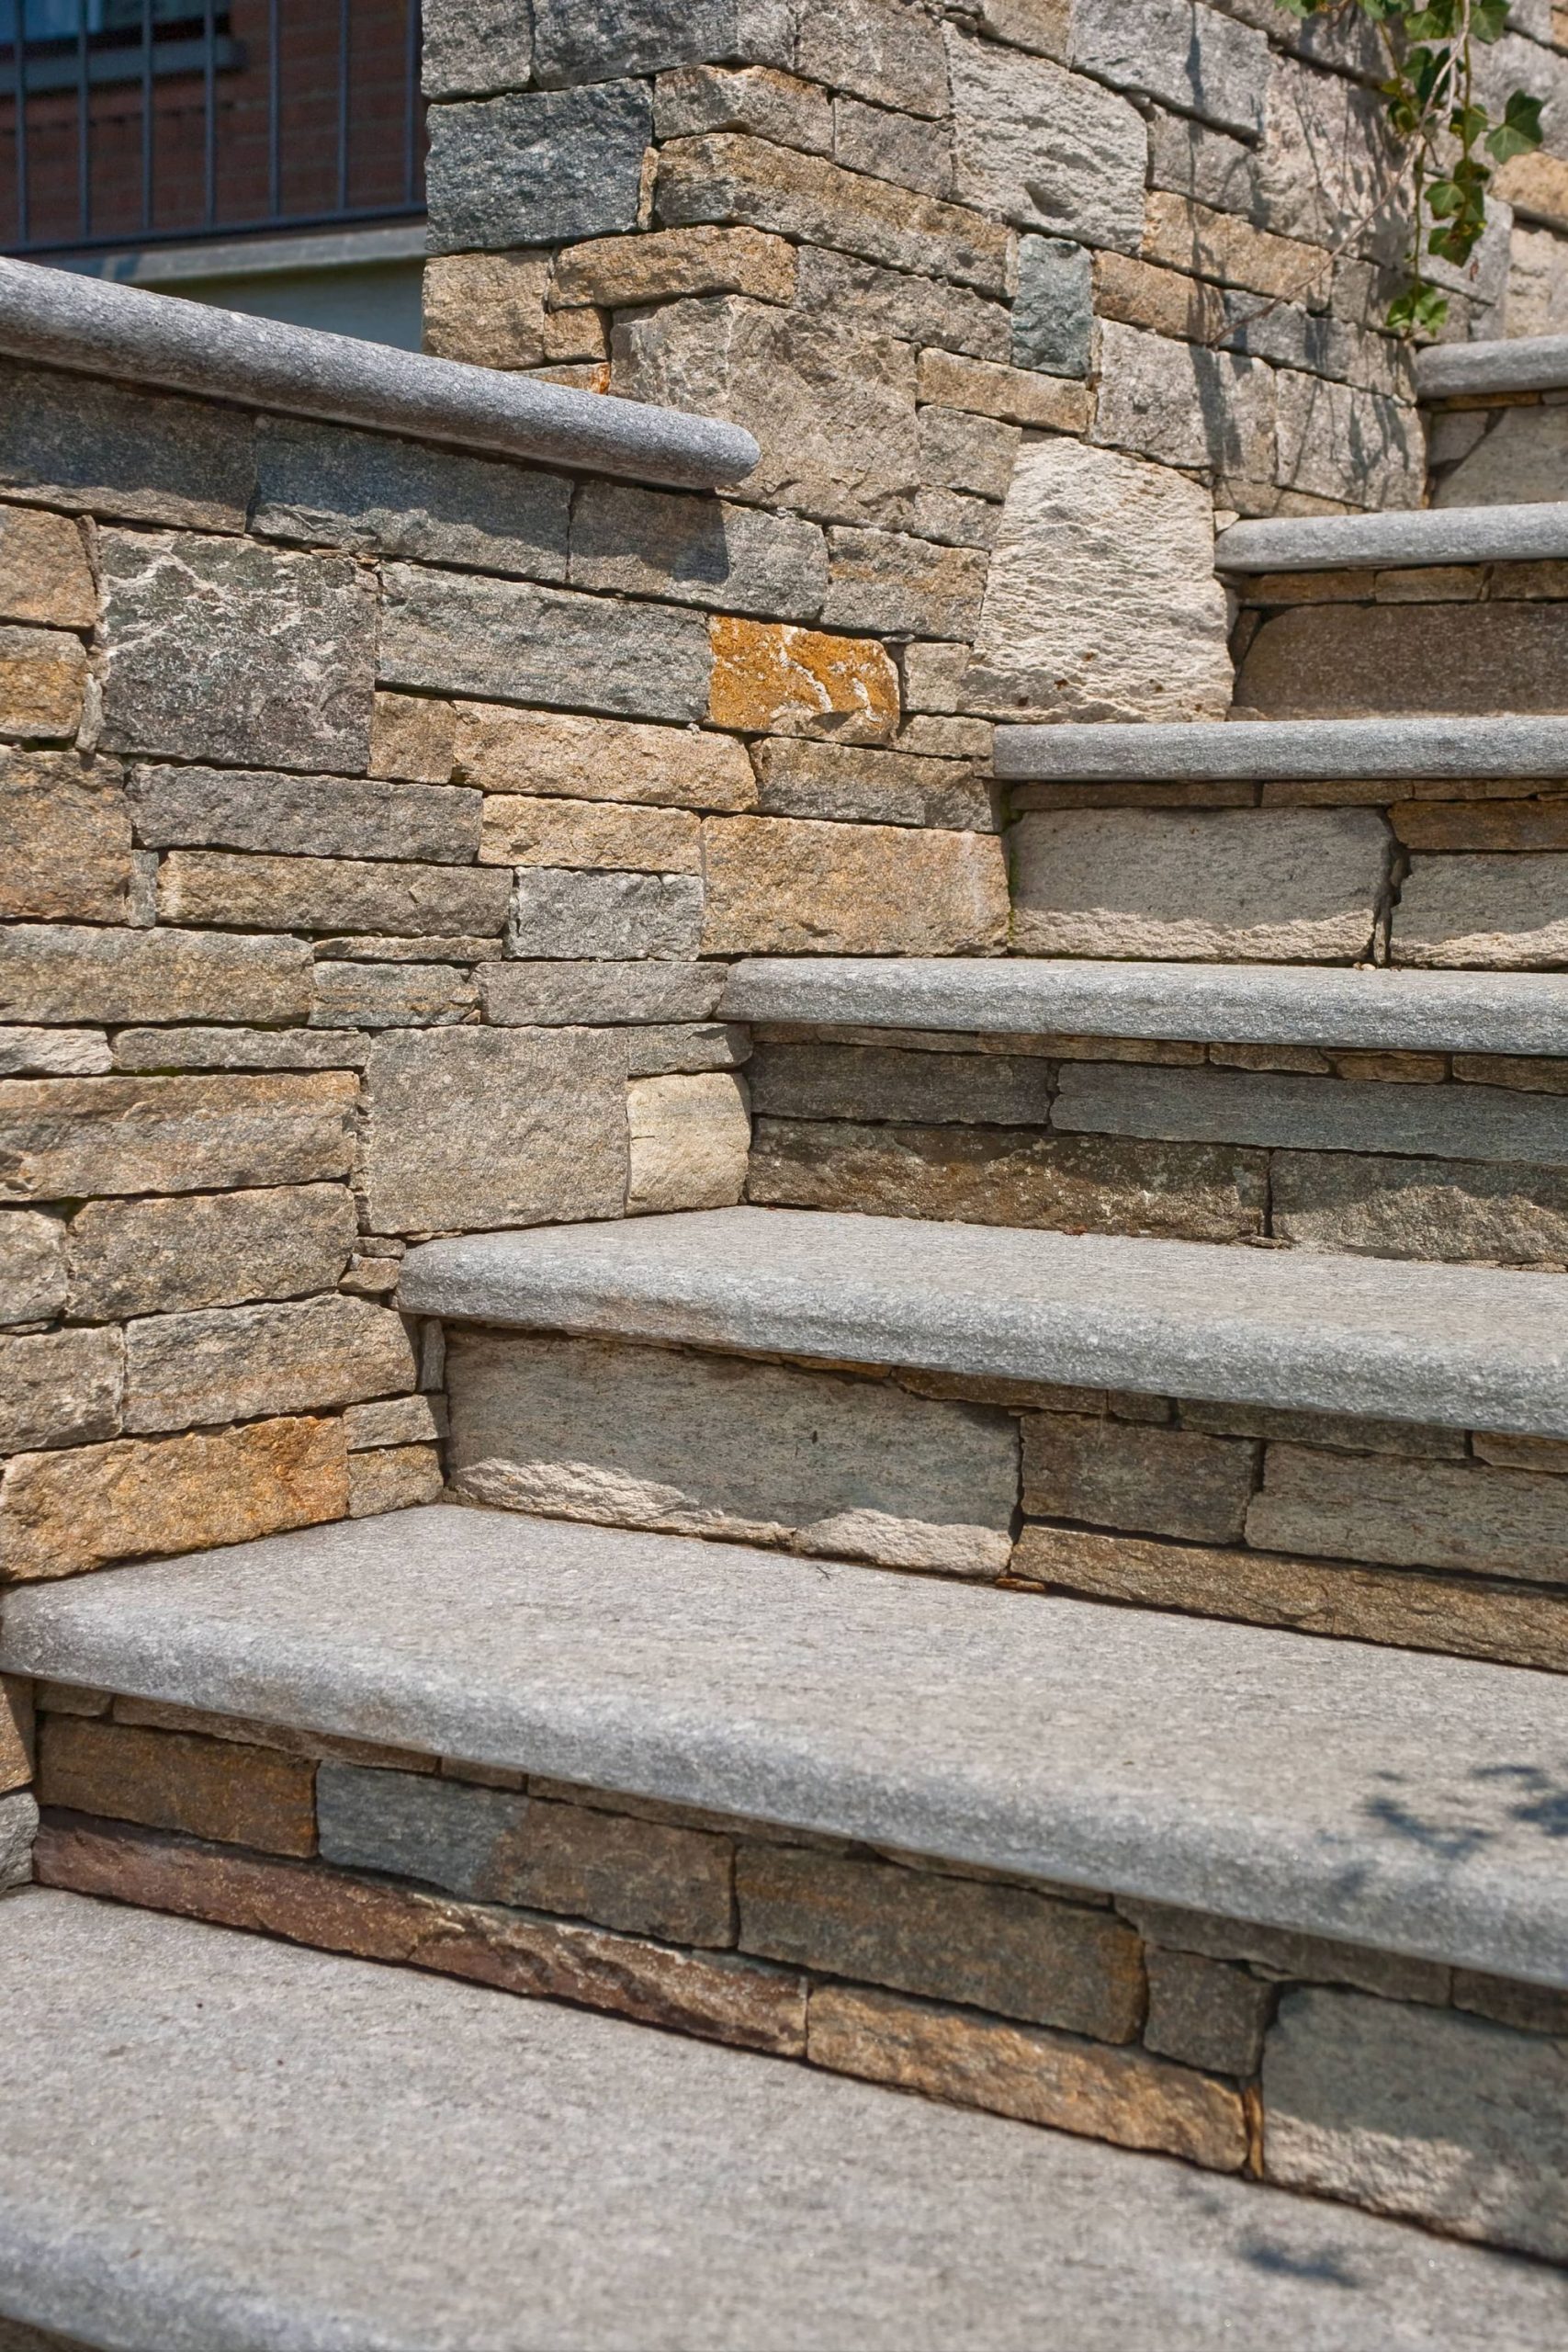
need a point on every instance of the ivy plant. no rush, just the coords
(1448, 142)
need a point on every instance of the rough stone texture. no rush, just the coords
(60, 1388)
(815, 1082)
(1160, 1481)
(393, 1478)
(391, 996)
(83, 1137)
(1000, 1948)
(759, 1452)
(830, 397)
(225, 1363)
(1522, 460)
(412, 737)
(43, 676)
(372, 494)
(1205, 2012)
(1101, 600)
(1000, 1176)
(66, 973)
(539, 169)
(1460, 1617)
(577, 42)
(601, 759)
(645, 1877)
(568, 993)
(789, 886)
(64, 839)
(212, 1788)
(17, 1743)
(689, 1141)
(1191, 56)
(1375, 1507)
(1420, 1208)
(800, 682)
(1017, 395)
(556, 911)
(1053, 317)
(1266, 886)
(916, 155)
(492, 638)
(44, 573)
(1181, 405)
(697, 551)
(1038, 2076)
(32, 1267)
(321, 894)
(472, 1127)
(777, 107)
(804, 779)
(205, 1249)
(60, 1513)
(475, 46)
(108, 450)
(903, 586)
(18, 1824)
(586, 834)
(620, 271)
(884, 50)
(1334, 659)
(303, 816)
(963, 452)
(1409, 2111)
(1046, 149)
(1320, 749)
(1496, 914)
(283, 644)
(54, 1053)
(487, 309)
(398, 1421)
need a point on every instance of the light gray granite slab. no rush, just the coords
(1396, 540)
(59, 319)
(1267, 1005)
(1536, 363)
(1377, 1796)
(1285, 750)
(248, 2148)
(1464, 1346)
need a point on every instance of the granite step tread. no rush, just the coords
(1291, 751)
(248, 2145)
(1535, 363)
(1445, 534)
(1334, 1789)
(1460, 1347)
(1268, 1004)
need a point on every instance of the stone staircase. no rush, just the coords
(1058, 1604)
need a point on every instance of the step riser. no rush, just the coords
(1425, 1539)
(1511, 455)
(1229, 2045)
(1433, 1155)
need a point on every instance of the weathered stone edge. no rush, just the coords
(1285, 750)
(61, 319)
(1534, 363)
(1362, 542)
(1268, 1004)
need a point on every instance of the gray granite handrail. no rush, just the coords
(1535, 363)
(1388, 542)
(61, 320)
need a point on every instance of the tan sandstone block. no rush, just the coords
(1016, 395)
(711, 1993)
(392, 1478)
(43, 675)
(1483, 913)
(689, 1137)
(64, 840)
(532, 752)
(225, 1363)
(769, 678)
(412, 737)
(209, 1788)
(44, 572)
(16, 1732)
(589, 834)
(488, 309)
(1463, 1617)
(1163, 301)
(1186, 235)
(1468, 1516)
(135, 1499)
(1536, 186)
(1030, 2072)
(71, 1138)
(616, 272)
(1483, 824)
(60, 1388)
(207, 1250)
(791, 886)
(32, 1267)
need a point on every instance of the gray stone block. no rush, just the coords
(1053, 317)
(19, 1826)
(231, 1363)
(1491, 1123)
(1149, 1481)
(896, 147)
(538, 169)
(509, 643)
(376, 495)
(1205, 2013)
(468, 1127)
(657, 1049)
(475, 47)
(1324, 660)
(1467, 1516)
(696, 551)
(1044, 148)
(207, 1250)
(1371, 1795)
(613, 915)
(1401, 750)
(799, 778)
(60, 1388)
(882, 49)
(69, 1138)
(694, 98)
(1519, 458)
(204, 1048)
(283, 644)
(304, 816)
(329, 894)
(1189, 55)
(1384, 542)
(903, 587)
(32, 1267)
(923, 310)
(592, 40)
(81, 972)
(569, 992)
(108, 450)
(1450, 2119)
(1420, 1208)
(642, 1437)
(388, 2100)
(811, 1082)
(1452, 1346)
(1183, 404)
(958, 451)
(1496, 914)
(391, 996)
(54, 1053)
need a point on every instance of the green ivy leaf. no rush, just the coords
(1489, 19)
(1421, 309)
(1518, 133)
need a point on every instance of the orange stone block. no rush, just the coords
(769, 678)
(166, 1780)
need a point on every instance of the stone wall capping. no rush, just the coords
(1403, 749)
(1438, 535)
(1536, 363)
(1456, 1346)
(58, 319)
(375, 2092)
(1215, 1767)
(1268, 1004)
